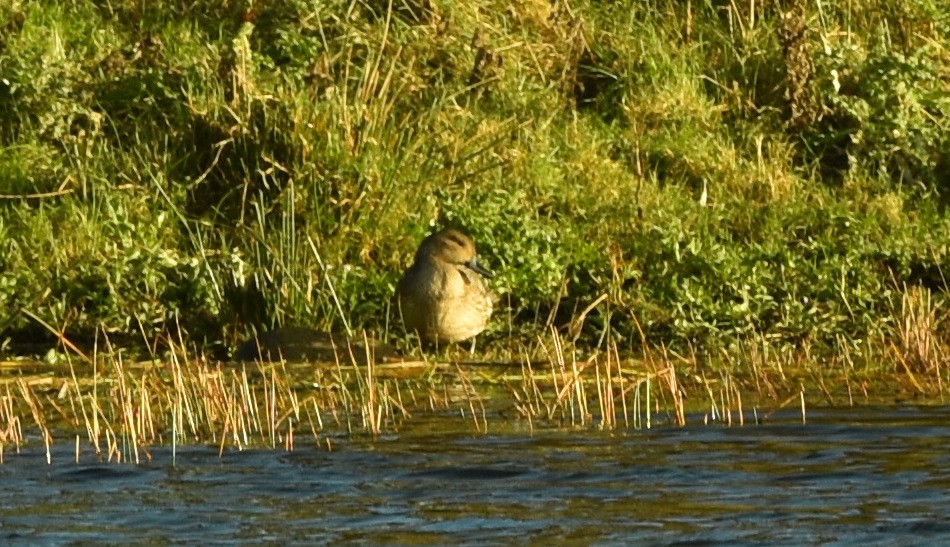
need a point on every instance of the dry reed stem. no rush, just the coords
(902, 360)
(38, 416)
(471, 395)
(623, 390)
(606, 421)
(677, 396)
(12, 430)
(713, 407)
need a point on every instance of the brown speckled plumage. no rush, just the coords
(441, 296)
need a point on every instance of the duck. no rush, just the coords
(441, 296)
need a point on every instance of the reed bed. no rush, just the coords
(121, 409)
(603, 390)
(114, 410)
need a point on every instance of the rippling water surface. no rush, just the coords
(875, 476)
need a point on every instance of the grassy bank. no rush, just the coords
(729, 175)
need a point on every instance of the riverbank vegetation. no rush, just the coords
(117, 411)
(726, 175)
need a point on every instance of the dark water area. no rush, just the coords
(870, 476)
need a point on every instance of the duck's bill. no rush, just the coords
(478, 268)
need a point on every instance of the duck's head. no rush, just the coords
(452, 247)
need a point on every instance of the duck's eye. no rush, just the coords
(454, 238)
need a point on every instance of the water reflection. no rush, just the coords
(870, 476)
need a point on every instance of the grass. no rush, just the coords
(729, 189)
(118, 411)
(122, 409)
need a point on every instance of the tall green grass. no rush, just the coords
(723, 171)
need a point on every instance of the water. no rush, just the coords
(869, 476)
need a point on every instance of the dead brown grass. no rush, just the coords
(119, 410)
